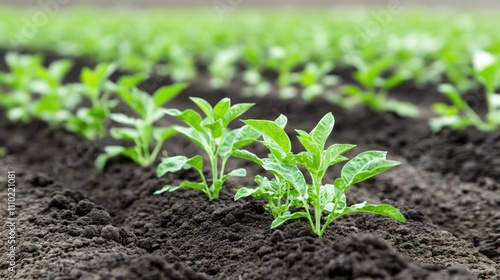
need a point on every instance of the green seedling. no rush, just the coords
(315, 80)
(96, 87)
(222, 68)
(319, 203)
(252, 76)
(459, 115)
(16, 87)
(374, 88)
(148, 139)
(214, 137)
(56, 100)
(284, 61)
(3, 152)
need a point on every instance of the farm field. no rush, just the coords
(124, 135)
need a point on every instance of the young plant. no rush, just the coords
(459, 115)
(18, 97)
(214, 137)
(56, 100)
(96, 87)
(223, 68)
(374, 88)
(252, 76)
(142, 130)
(319, 203)
(316, 79)
(3, 152)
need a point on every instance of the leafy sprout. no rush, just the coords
(375, 87)
(319, 203)
(96, 87)
(213, 136)
(148, 138)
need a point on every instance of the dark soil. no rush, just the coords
(75, 222)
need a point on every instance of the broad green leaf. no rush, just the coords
(272, 132)
(221, 108)
(176, 163)
(193, 136)
(236, 139)
(286, 217)
(333, 154)
(240, 172)
(236, 111)
(204, 106)
(113, 151)
(123, 119)
(128, 134)
(190, 117)
(167, 93)
(243, 192)
(381, 209)
(323, 130)
(366, 165)
(290, 173)
(244, 154)
(130, 81)
(215, 128)
(281, 121)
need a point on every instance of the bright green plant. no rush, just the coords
(316, 79)
(148, 139)
(214, 137)
(56, 101)
(375, 88)
(459, 115)
(96, 87)
(257, 85)
(17, 91)
(222, 68)
(319, 203)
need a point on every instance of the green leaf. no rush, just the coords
(236, 139)
(289, 172)
(333, 154)
(236, 111)
(190, 117)
(286, 217)
(323, 130)
(244, 154)
(215, 128)
(221, 108)
(243, 192)
(366, 165)
(128, 134)
(381, 209)
(123, 119)
(113, 151)
(204, 106)
(167, 93)
(272, 132)
(176, 163)
(240, 172)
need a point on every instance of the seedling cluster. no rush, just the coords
(296, 55)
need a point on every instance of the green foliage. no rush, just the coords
(319, 203)
(18, 97)
(56, 101)
(148, 139)
(213, 136)
(96, 87)
(459, 115)
(375, 88)
(3, 152)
